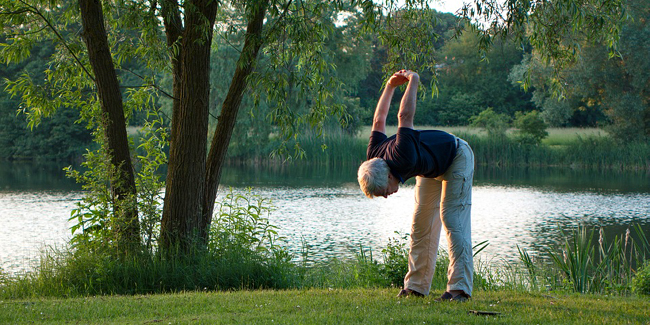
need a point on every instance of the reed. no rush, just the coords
(569, 148)
(584, 266)
(597, 152)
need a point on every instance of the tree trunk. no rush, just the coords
(182, 209)
(229, 110)
(173, 31)
(123, 189)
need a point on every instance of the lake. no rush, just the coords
(321, 209)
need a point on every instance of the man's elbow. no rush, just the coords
(405, 118)
(379, 120)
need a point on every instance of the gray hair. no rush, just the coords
(372, 176)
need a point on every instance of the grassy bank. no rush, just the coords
(569, 148)
(324, 306)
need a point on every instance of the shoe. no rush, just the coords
(461, 297)
(445, 297)
(408, 292)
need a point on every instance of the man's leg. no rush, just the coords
(456, 217)
(425, 235)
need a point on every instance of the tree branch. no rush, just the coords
(284, 12)
(149, 85)
(37, 12)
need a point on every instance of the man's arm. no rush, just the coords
(381, 112)
(407, 106)
(383, 105)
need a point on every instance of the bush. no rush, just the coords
(396, 260)
(532, 128)
(494, 123)
(641, 282)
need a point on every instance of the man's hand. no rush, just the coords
(407, 106)
(401, 77)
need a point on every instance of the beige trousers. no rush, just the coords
(443, 201)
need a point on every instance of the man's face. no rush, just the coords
(392, 187)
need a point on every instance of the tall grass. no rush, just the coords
(334, 148)
(584, 266)
(244, 253)
(574, 148)
(596, 152)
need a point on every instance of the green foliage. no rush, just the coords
(93, 215)
(641, 281)
(597, 88)
(531, 127)
(576, 259)
(589, 152)
(494, 123)
(245, 252)
(242, 223)
(482, 79)
(554, 30)
(96, 226)
(395, 263)
(60, 137)
(153, 141)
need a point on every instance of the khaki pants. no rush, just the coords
(444, 200)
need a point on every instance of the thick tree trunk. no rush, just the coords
(229, 110)
(182, 209)
(122, 181)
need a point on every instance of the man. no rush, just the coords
(443, 166)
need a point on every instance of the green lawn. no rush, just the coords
(350, 306)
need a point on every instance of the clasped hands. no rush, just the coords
(401, 77)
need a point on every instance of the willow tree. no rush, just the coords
(174, 37)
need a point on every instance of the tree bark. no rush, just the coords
(123, 189)
(229, 110)
(182, 208)
(173, 31)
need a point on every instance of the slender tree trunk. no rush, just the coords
(122, 181)
(229, 110)
(182, 209)
(174, 30)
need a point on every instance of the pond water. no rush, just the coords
(321, 209)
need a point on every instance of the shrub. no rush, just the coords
(641, 281)
(494, 123)
(396, 260)
(531, 127)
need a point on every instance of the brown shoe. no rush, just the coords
(408, 292)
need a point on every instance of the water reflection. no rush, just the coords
(555, 179)
(321, 208)
(30, 221)
(35, 176)
(335, 222)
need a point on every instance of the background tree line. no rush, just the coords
(599, 91)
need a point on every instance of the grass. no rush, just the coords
(325, 306)
(556, 136)
(588, 148)
(566, 136)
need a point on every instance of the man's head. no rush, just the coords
(375, 178)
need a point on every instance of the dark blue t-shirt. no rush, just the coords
(412, 153)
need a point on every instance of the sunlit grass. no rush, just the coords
(565, 136)
(556, 136)
(328, 306)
